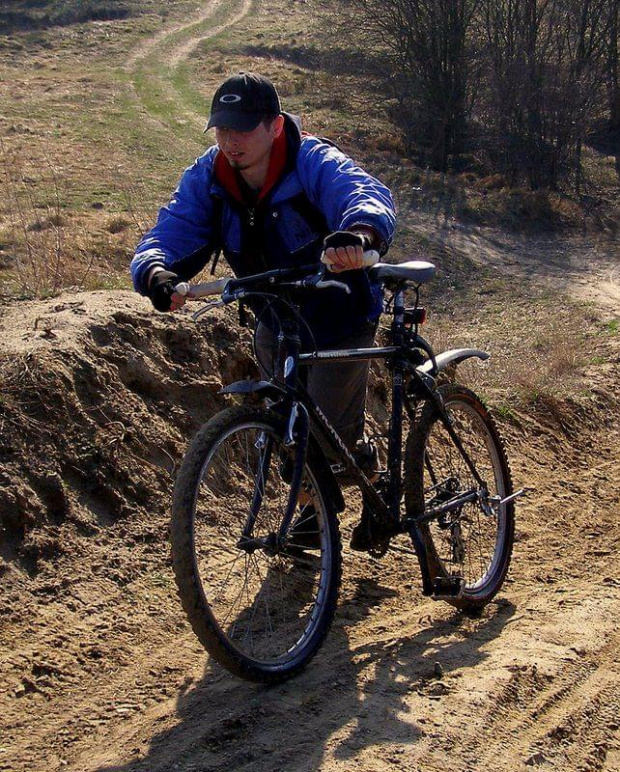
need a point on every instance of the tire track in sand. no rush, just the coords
(154, 66)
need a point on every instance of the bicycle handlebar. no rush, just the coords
(203, 289)
(301, 277)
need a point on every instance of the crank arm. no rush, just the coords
(455, 503)
(436, 512)
(497, 502)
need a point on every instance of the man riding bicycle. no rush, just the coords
(267, 195)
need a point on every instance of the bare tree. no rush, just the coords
(428, 68)
(612, 68)
(522, 80)
(546, 65)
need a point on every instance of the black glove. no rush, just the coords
(161, 287)
(346, 239)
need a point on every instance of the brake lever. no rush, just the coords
(315, 279)
(332, 283)
(318, 281)
(207, 307)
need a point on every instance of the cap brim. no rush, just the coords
(231, 119)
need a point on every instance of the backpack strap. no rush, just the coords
(218, 208)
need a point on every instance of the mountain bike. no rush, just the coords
(255, 538)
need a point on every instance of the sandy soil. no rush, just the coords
(100, 670)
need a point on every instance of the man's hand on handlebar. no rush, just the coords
(345, 251)
(342, 251)
(162, 291)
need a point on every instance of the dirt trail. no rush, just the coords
(159, 40)
(584, 267)
(157, 58)
(184, 51)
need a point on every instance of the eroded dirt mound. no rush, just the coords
(99, 397)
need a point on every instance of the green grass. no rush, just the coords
(167, 93)
(505, 412)
(82, 141)
(613, 326)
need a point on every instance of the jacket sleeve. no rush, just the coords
(345, 193)
(182, 239)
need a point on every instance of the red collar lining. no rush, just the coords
(227, 176)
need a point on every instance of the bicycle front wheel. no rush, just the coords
(261, 605)
(473, 541)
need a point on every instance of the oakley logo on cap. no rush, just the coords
(242, 101)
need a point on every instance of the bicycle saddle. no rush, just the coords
(416, 271)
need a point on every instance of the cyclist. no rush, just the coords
(268, 195)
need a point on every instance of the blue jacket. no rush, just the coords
(319, 191)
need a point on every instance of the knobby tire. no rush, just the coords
(262, 616)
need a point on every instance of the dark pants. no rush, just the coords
(339, 389)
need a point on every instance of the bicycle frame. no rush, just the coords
(257, 479)
(405, 361)
(401, 360)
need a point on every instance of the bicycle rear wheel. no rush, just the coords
(260, 607)
(474, 541)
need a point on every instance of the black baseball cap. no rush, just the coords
(242, 101)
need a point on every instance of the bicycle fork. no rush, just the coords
(296, 439)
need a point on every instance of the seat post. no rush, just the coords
(398, 320)
(395, 430)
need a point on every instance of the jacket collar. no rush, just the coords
(283, 158)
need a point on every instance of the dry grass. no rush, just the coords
(47, 245)
(82, 170)
(552, 369)
(542, 350)
(90, 152)
(33, 233)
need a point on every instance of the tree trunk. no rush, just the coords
(613, 87)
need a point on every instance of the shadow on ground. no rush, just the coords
(347, 700)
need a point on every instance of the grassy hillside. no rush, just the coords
(41, 14)
(104, 104)
(98, 125)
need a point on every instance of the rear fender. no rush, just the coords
(258, 388)
(453, 357)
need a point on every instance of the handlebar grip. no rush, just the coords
(371, 256)
(203, 289)
(182, 288)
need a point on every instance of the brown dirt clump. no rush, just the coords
(91, 394)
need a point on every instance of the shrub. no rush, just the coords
(75, 12)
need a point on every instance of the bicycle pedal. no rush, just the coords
(447, 587)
